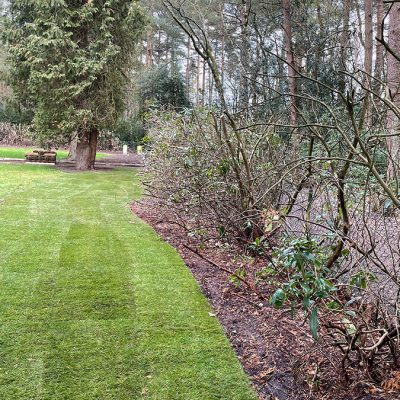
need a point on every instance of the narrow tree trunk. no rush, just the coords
(203, 85)
(287, 27)
(377, 84)
(369, 45)
(159, 47)
(223, 47)
(255, 75)
(198, 81)
(149, 50)
(188, 62)
(368, 40)
(393, 87)
(244, 58)
(86, 149)
(210, 87)
(72, 149)
(344, 37)
(379, 63)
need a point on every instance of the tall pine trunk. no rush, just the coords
(344, 37)
(369, 46)
(379, 63)
(223, 33)
(188, 65)
(393, 87)
(290, 60)
(244, 58)
(86, 149)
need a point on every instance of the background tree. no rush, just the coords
(70, 59)
(162, 87)
(393, 89)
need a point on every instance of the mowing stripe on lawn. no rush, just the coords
(93, 304)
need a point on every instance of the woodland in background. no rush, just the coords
(291, 152)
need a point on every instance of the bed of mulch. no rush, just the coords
(276, 350)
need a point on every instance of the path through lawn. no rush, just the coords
(93, 305)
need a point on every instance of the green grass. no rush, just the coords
(14, 152)
(93, 304)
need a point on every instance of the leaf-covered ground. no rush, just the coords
(93, 304)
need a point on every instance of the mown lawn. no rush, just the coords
(14, 152)
(93, 305)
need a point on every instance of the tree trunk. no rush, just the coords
(203, 85)
(210, 87)
(86, 149)
(149, 50)
(393, 87)
(369, 45)
(344, 37)
(72, 149)
(287, 27)
(223, 48)
(188, 64)
(379, 63)
(244, 58)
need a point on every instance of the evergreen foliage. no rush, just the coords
(69, 59)
(163, 87)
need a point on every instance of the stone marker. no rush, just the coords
(125, 150)
(139, 149)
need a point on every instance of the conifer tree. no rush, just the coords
(69, 58)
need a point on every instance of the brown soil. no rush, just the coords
(114, 160)
(119, 158)
(275, 350)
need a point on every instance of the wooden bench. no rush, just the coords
(41, 156)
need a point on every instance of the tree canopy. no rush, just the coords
(69, 59)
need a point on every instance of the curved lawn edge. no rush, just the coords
(94, 304)
(206, 347)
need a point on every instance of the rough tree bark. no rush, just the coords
(86, 149)
(188, 65)
(290, 59)
(368, 39)
(393, 88)
(72, 148)
(369, 46)
(379, 63)
(344, 37)
(244, 57)
(223, 34)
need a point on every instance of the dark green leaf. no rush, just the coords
(314, 323)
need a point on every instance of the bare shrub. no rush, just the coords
(15, 135)
(223, 180)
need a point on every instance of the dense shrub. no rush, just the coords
(15, 135)
(197, 169)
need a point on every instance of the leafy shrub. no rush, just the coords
(302, 261)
